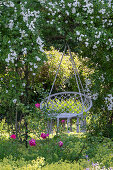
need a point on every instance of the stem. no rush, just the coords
(16, 122)
(26, 134)
(26, 103)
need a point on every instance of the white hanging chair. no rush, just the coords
(67, 104)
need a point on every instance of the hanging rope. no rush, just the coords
(75, 71)
(56, 74)
(75, 68)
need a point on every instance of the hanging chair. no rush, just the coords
(67, 104)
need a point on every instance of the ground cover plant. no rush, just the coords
(64, 150)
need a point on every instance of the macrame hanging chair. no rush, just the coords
(68, 104)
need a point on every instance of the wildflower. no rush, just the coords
(86, 156)
(13, 136)
(37, 105)
(60, 143)
(32, 142)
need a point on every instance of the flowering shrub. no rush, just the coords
(32, 142)
(13, 136)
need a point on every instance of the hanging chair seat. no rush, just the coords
(66, 104)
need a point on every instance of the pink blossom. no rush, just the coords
(60, 143)
(13, 136)
(43, 135)
(62, 121)
(37, 105)
(32, 142)
(47, 134)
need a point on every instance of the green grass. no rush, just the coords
(47, 155)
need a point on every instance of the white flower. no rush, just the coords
(35, 66)
(7, 60)
(23, 62)
(12, 85)
(73, 10)
(107, 58)
(31, 69)
(97, 42)
(39, 41)
(24, 51)
(86, 43)
(11, 23)
(94, 46)
(31, 63)
(23, 84)
(37, 58)
(69, 4)
(67, 13)
(77, 33)
(102, 11)
(22, 93)
(11, 4)
(80, 39)
(15, 100)
(34, 74)
(1, 79)
(83, 22)
(6, 91)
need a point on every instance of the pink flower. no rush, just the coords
(60, 143)
(32, 142)
(13, 136)
(37, 105)
(62, 121)
(47, 134)
(43, 135)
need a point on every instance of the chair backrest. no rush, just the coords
(66, 103)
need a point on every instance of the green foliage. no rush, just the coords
(63, 166)
(80, 151)
(65, 80)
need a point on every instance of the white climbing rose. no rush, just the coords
(37, 58)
